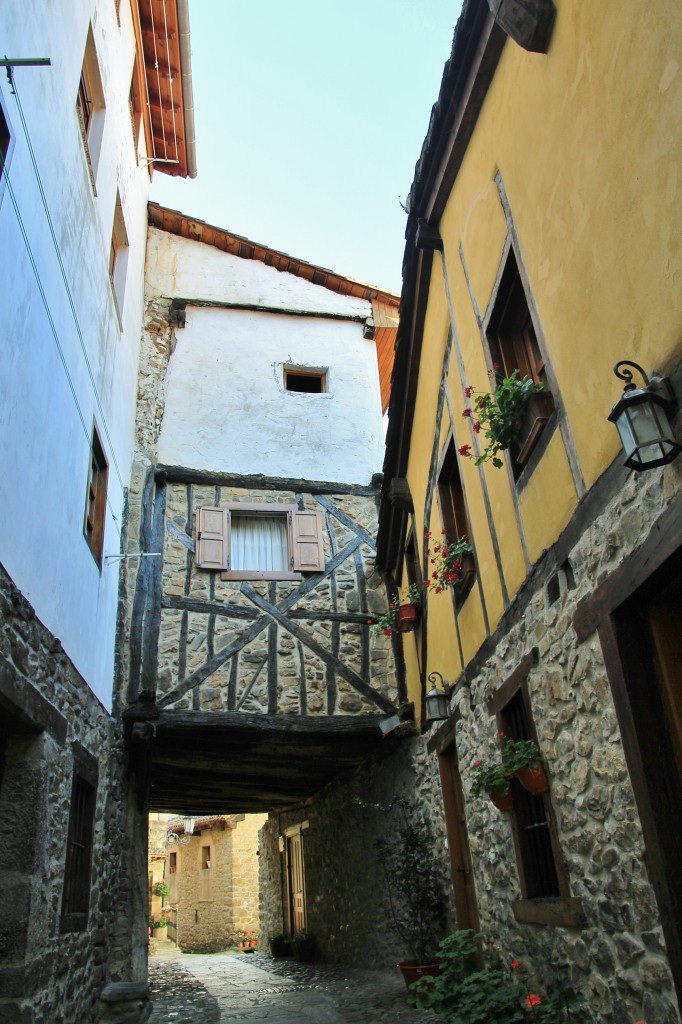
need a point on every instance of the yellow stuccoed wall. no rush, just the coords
(585, 142)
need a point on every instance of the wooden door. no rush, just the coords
(296, 883)
(458, 840)
(642, 643)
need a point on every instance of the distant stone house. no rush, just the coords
(212, 877)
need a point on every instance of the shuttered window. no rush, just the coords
(96, 498)
(250, 541)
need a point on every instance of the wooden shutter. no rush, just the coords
(212, 538)
(307, 546)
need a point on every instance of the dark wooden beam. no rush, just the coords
(219, 721)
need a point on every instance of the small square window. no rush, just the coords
(311, 382)
(96, 498)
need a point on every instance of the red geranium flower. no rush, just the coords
(466, 412)
(469, 391)
(515, 963)
(388, 632)
(475, 765)
(477, 427)
(427, 583)
(532, 1000)
(465, 450)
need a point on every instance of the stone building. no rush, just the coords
(542, 238)
(80, 132)
(252, 676)
(211, 874)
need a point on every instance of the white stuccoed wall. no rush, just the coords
(44, 447)
(226, 406)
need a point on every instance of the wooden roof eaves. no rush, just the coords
(178, 223)
(476, 49)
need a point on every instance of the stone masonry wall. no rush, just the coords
(346, 893)
(216, 638)
(618, 958)
(46, 975)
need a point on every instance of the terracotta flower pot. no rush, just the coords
(505, 802)
(406, 617)
(413, 971)
(533, 779)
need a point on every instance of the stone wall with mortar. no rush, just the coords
(618, 957)
(346, 893)
(211, 640)
(46, 707)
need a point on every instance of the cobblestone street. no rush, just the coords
(223, 988)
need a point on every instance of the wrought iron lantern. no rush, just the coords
(437, 700)
(173, 837)
(189, 824)
(641, 418)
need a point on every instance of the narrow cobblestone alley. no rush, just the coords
(222, 988)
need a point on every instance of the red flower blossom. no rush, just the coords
(496, 366)
(469, 391)
(438, 590)
(475, 765)
(515, 963)
(532, 1000)
(443, 532)
(466, 412)
(391, 605)
(477, 427)
(427, 534)
(436, 548)
(427, 583)
(465, 450)
(388, 632)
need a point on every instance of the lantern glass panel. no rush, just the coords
(627, 438)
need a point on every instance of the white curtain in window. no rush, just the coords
(259, 543)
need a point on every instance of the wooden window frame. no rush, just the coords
(296, 541)
(80, 842)
(561, 908)
(96, 498)
(118, 258)
(295, 371)
(453, 512)
(513, 345)
(90, 106)
(7, 143)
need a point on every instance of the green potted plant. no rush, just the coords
(469, 991)
(159, 924)
(522, 759)
(492, 777)
(452, 563)
(500, 416)
(161, 889)
(402, 614)
(304, 946)
(280, 944)
(413, 886)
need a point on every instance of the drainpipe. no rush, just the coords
(187, 97)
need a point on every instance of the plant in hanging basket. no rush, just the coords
(452, 563)
(522, 759)
(403, 612)
(499, 415)
(490, 776)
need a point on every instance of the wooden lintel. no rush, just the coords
(210, 721)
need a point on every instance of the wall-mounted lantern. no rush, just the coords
(437, 700)
(641, 418)
(189, 824)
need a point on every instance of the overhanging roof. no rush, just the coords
(162, 36)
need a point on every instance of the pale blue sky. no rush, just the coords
(310, 117)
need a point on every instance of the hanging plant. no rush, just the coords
(391, 621)
(498, 415)
(451, 563)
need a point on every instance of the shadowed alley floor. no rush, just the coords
(223, 988)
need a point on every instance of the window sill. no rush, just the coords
(564, 912)
(235, 574)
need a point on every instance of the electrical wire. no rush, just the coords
(55, 334)
(66, 285)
